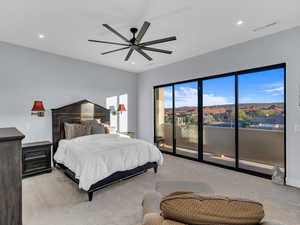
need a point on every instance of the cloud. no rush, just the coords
(168, 99)
(187, 91)
(274, 85)
(187, 96)
(167, 93)
(274, 88)
(246, 99)
(211, 99)
(278, 90)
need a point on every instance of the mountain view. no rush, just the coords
(260, 96)
(254, 115)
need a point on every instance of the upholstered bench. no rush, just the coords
(151, 201)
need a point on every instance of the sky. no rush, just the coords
(258, 87)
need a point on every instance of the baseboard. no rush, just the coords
(293, 182)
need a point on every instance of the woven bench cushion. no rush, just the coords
(199, 209)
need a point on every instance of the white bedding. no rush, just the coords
(95, 157)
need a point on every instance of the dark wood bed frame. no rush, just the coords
(75, 113)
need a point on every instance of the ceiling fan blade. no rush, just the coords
(115, 32)
(156, 50)
(158, 41)
(143, 54)
(142, 32)
(116, 50)
(129, 54)
(108, 42)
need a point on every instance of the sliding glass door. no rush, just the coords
(164, 118)
(261, 120)
(186, 118)
(219, 120)
(235, 120)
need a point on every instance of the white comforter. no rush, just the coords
(95, 157)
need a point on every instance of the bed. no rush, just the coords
(96, 161)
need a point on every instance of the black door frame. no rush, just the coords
(200, 117)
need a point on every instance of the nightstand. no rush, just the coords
(36, 158)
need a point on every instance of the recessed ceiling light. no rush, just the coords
(240, 22)
(41, 36)
(132, 63)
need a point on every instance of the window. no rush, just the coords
(164, 118)
(186, 119)
(261, 120)
(113, 102)
(118, 120)
(219, 120)
(123, 116)
(235, 120)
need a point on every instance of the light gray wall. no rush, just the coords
(27, 75)
(277, 48)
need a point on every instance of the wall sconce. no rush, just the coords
(38, 109)
(121, 108)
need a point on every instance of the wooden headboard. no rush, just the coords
(75, 113)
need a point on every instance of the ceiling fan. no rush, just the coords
(135, 44)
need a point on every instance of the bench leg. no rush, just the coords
(90, 196)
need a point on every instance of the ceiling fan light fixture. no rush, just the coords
(240, 22)
(41, 36)
(135, 44)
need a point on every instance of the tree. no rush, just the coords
(243, 115)
(266, 112)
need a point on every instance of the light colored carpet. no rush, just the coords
(53, 199)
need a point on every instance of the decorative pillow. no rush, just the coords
(73, 130)
(198, 209)
(96, 126)
(98, 129)
(108, 129)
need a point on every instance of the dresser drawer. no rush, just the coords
(36, 154)
(36, 165)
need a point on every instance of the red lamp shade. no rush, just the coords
(121, 108)
(38, 106)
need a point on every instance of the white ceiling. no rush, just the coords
(200, 26)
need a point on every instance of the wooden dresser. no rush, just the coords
(36, 158)
(10, 176)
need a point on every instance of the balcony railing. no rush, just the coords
(258, 148)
